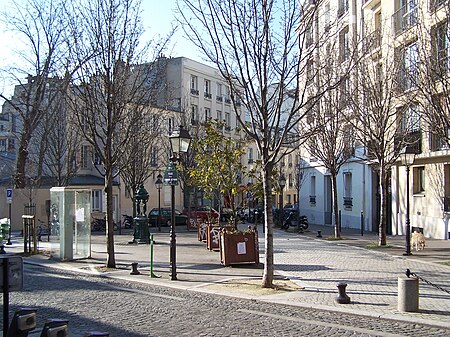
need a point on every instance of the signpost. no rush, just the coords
(9, 196)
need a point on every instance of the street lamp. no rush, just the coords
(159, 184)
(282, 184)
(179, 142)
(408, 155)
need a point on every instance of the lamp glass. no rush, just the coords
(408, 158)
(180, 140)
(159, 181)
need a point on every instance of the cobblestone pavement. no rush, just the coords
(137, 305)
(132, 309)
(371, 277)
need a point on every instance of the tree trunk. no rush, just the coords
(22, 156)
(382, 225)
(337, 227)
(111, 260)
(267, 280)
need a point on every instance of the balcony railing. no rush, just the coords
(372, 41)
(405, 17)
(413, 141)
(208, 95)
(194, 91)
(348, 202)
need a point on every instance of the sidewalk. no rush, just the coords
(315, 264)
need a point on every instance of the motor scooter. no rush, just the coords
(301, 223)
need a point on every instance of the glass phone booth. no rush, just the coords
(70, 228)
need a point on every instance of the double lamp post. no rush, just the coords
(408, 156)
(179, 142)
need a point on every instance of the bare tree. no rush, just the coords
(42, 26)
(332, 142)
(108, 86)
(384, 115)
(255, 46)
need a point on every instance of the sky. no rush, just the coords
(158, 17)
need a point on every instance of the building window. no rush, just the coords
(290, 180)
(348, 200)
(411, 119)
(250, 155)
(219, 116)
(406, 15)
(154, 156)
(194, 85)
(344, 44)
(441, 48)
(97, 200)
(219, 92)
(194, 114)
(343, 7)
(208, 89)
(326, 17)
(85, 157)
(170, 125)
(207, 114)
(227, 121)
(409, 70)
(419, 179)
(312, 190)
(2, 144)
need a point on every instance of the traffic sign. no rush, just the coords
(13, 266)
(9, 195)
(171, 175)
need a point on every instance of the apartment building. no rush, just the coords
(405, 46)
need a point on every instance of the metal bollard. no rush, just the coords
(319, 234)
(134, 270)
(408, 293)
(55, 328)
(24, 321)
(342, 298)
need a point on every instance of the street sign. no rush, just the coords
(171, 175)
(13, 265)
(9, 195)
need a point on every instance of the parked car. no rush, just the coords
(226, 214)
(202, 212)
(165, 218)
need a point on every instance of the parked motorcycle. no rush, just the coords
(100, 225)
(127, 221)
(290, 221)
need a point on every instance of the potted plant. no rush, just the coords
(239, 246)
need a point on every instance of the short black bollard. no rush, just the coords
(135, 271)
(342, 298)
(24, 321)
(319, 234)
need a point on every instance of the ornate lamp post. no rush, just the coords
(159, 184)
(408, 156)
(282, 184)
(179, 142)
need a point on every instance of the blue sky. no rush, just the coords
(158, 17)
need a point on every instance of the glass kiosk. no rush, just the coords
(70, 227)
